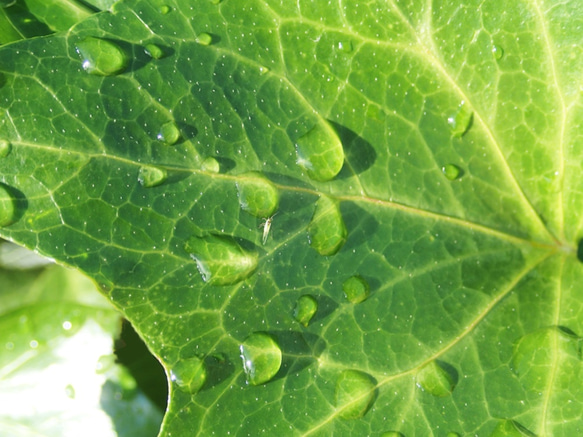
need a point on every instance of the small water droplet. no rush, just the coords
(392, 434)
(261, 358)
(435, 379)
(320, 152)
(169, 133)
(189, 374)
(452, 171)
(257, 195)
(204, 39)
(154, 51)
(498, 52)
(453, 434)
(356, 289)
(102, 57)
(8, 208)
(164, 9)
(220, 260)
(306, 307)
(70, 391)
(510, 428)
(327, 231)
(355, 393)
(461, 121)
(345, 46)
(5, 148)
(210, 165)
(150, 176)
(263, 70)
(105, 363)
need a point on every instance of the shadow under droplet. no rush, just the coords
(299, 351)
(359, 155)
(218, 369)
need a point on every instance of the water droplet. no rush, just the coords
(392, 434)
(461, 121)
(452, 434)
(257, 195)
(189, 374)
(204, 39)
(498, 52)
(154, 51)
(8, 209)
(5, 148)
(215, 2)
(345, 46)
(327, 231)
(105, 363)
(510, 428)
(263, 70)
(320, 152)
(261, 358)
(452, 171)
(434, 379)
(169, 133)
(355, 393)
(356, 289)
(210, 165)
(535, 356)
(150, 176)
(306, 307)
(70, 391)
(220, 260)
(164, 9)
(101, 57)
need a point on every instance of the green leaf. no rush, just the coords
(243, 154)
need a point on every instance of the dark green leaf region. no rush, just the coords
(323, 218)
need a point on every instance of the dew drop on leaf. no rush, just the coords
(355, 393)
(154, 51)
(102, 57)
(220, 260)
(263, 70)
(8, 207)
(261, 358)
(452, 171)
(210, 165)
(392, 434)
(150, 176)
(461, 121)
(5, 148)
(169, 133)
(452, 434)
(327, 231)
(510, 428)
(345, 46)
(70, 391)
(204, 39)
(320, 152)
(164, 9)
(356, 289)
(189, 374)
(498, 52)
(435, 379)
(306, 307)
(257, 195)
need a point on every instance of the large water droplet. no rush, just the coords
(257, 195)
(461, 121)
(102, 57)
(169, 133)
(220, 260)
(306, 307)
(5, 148)
(498, 52)
(210, 165)
(261, 358)
(434, 379)
(356, 289)
(452, 171)
(355, 393)
(535, 357)
(150, 176)
(320, 152)
(327, 231)
(510, 428)
(8, 207)
(204, 39)
(154, 51)
(189, 374)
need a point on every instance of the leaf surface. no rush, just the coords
(417, 167)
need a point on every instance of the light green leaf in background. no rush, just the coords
(412, 166)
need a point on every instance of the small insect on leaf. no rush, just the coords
(266, 227)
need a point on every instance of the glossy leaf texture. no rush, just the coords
(430, 151)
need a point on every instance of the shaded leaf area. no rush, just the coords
(57, 368)
(416, 168)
